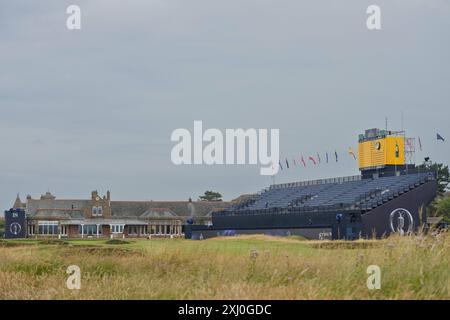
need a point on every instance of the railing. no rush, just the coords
(315, 182)
(287, 210)
(344, 179)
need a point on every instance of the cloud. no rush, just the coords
(95, 108)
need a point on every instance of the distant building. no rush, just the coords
(100, 217)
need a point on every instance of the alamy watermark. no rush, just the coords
(373, 21)
(74, 280)
(73, 21)
(236, 146)
(374, 278)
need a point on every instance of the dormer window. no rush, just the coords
(97, 211)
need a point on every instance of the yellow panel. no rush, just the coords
(381, 152)
(378, 152)
(364, 154)
(395, 150)
(371, 153)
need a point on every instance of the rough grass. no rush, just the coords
(252, 267)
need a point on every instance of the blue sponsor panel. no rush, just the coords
(15, 224)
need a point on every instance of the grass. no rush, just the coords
(251, 267)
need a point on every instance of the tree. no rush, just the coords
(443, 175)
(2, 227)
(443, 208)
(211, 196)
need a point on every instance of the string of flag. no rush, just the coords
(303, 160)
(316, 159)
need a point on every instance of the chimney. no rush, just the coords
(108, 195)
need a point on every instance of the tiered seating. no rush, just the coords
(342, 193)
(285, 197)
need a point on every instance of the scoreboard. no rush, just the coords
(381, 149)
(15, 226)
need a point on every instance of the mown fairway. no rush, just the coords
(254, 267)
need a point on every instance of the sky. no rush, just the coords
(94, 109)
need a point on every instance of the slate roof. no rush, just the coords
(18, 204)
(175, 208)
(58, 214)
(72, 209)
(158, 213)
(34, 205)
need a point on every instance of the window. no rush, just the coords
(97, 211)
(31, 229)
(48, 227)
(117, 228)
(64, 230)
(132, 229)
(89, 230)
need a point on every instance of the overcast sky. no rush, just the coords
(95, 108)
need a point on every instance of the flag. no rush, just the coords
(279, 163)
(327, 156)
(350, 152)
(335, 154)
(312, 159)
(287, 164)
(303, 161)
(318, 157)
(420, 144)
(439, 137)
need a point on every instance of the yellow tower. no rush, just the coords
(380, 148)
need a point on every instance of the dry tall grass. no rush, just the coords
(415, 267)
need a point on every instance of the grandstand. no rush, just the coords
(347, 193)
(385, 198)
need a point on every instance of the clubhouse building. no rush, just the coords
(99, 217)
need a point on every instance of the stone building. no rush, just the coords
(100, 217)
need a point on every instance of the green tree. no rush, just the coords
(443, 208)
(2, 227)
(211, 196)
(443, 175)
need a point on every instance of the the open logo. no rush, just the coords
(15, 228)
(401, 221)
